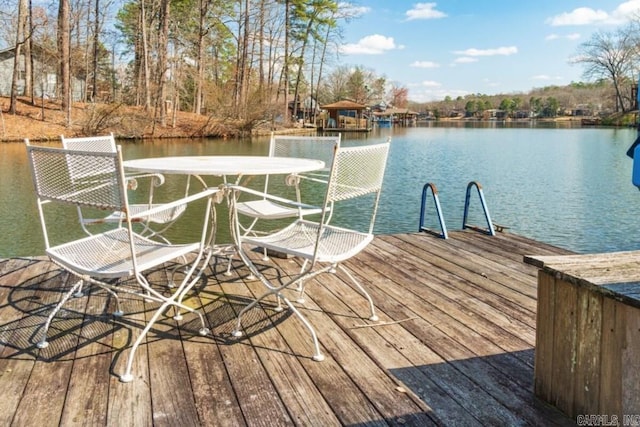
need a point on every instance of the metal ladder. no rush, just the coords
(434, 191)
(490, 230)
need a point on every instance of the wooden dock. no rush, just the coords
(454, 346)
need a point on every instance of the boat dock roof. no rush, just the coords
(454, 345)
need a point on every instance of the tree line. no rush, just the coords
(247, 59)
(578, 98)
(252, 60)
(611, 66)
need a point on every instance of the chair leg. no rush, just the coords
(203, 330)
(373, 316)
(317, 356)
(229, 264)
(127, 376)
(43, 343)
(178, 316)
(185, 269)
(300, 287)
(79, 293)
(118, 312)
(180, 295)
(237, 332)
(75, 290)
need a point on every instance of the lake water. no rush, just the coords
(570, 187)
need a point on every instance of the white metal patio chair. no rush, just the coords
(107, 144)
(266, 205)
(356, 172)
(109, 258)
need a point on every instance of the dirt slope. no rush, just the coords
(44, 122)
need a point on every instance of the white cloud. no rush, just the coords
(545, 77)
(351, 10)
(572, 36)
(425, 64)
(424, 11)
(436, 94)
(576, 58)
(588, 16)
(625, 11)
(488, 52)
(374, 44)
(430, 83)
(465, 60)
(579, 16)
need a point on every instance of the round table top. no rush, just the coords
(224, 165)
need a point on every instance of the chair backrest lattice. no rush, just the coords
(54, 180)
(103, 144)
(97, 144)
(356, 172)
(311, 147)
(304, 146)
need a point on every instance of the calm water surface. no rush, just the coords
(570, 187)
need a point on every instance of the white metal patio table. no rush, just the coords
(225, 167)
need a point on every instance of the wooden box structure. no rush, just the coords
(587, 356)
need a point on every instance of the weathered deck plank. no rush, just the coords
(87, 398)
(457, 341)
(454, 345)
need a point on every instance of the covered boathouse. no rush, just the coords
(345, 116)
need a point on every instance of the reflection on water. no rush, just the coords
(567, 186)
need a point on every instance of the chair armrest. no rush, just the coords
(213, 193)
(320, 177)
(292, 203)
(157, 179)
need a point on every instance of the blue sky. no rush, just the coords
(458, 47)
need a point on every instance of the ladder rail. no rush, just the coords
(443, 228)
(490, 228)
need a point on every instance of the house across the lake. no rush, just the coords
(45, 74)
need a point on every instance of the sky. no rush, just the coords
(460, 47)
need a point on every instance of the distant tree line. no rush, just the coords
(611, 61)
(547, 102)
(254, 60)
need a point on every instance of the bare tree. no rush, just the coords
(316, 13)
(96, 42)
(21, 37)
(28, 58)
(398, 96)
(204, 6)
(241, 72)
(64, 51)
(285, 68)
(163, 70)
(610, 55)
(144, 78)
